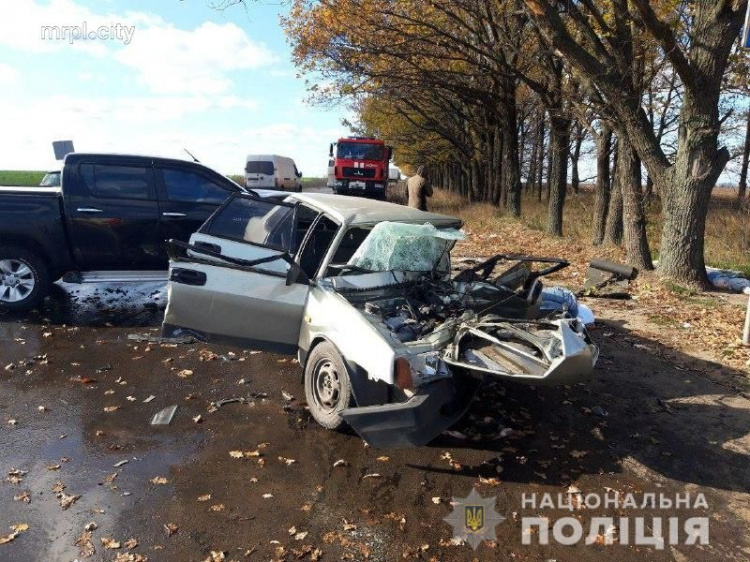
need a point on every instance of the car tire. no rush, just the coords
(24, 279)
(328, 389)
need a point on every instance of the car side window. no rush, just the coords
(316, 246)
(247, 219)
(182, 185)
(117, 182)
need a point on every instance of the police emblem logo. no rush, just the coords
(474, 519)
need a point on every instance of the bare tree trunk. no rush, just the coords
(613, 230)
(511, 162)
(542, 157)
(634, 217)
(558, 181)
(579, 134)
(742, 188)
(603, 148)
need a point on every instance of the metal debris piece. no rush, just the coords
(186, 340)
(608, 279)
(213, 406)
(149, 399)
(164, 417)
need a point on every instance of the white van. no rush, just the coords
(270, 171)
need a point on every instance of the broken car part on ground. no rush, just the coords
(362, 292)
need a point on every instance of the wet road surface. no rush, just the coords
(259, 480)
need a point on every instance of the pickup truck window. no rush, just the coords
(117, 182)
(181, 185)
(258, 222)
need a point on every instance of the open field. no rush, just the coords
(20, 177)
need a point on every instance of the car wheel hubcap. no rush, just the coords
(16, 280)
(326, 385)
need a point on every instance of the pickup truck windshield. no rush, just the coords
(361, 151)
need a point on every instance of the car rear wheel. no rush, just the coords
(328, 390)
(24, 279)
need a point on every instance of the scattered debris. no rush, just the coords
(149, 399)
(340, 462)
(148, 338)
(121, 463)
(159, 480)
(213, 406)
(164, 417)
(110, 544)
(170, 529)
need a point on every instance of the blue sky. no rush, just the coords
(220, 83)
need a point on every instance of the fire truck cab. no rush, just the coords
(360, 166)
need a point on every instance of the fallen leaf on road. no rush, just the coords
(19, 527)
(216, 556)
(159, 481)
(86, 547)
(288, 397)
(67, 500)
(372, 475)
(130, 544)
(287, 461)
(92, 526)
(217, 507)
(22, 497)
(110, 544)
(53, 467)
(340, 462)
(436, 500)
(349, 526)
(198, 418)
(110, 409)
(170, 529)
(267, 496)
(204, 498)
(130, 398)
(58, 487)
(383, 459)
(121, 463)
(578, 454)
(17, 530)
(130, 557)
(185, 373)
(300, 536)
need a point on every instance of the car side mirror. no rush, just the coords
(330, 151)
(299, 174)
(295, 275)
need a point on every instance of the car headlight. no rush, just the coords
(415, 370)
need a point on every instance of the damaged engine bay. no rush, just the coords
(480, 324)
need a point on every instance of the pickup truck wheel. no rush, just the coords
(24, 279)
(328, 390)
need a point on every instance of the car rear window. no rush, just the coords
(259, 222)
(259, 167)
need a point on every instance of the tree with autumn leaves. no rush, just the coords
(490, 92)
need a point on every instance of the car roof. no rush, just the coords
(358, 210)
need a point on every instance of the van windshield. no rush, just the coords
(361, 151)
(259, 167)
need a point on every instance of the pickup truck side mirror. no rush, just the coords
(330, 151)
(295, 275)
(390, 154)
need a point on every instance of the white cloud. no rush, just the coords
(165, 59)
(171, 60)
(8, 74)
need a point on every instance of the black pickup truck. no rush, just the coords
(108, 221)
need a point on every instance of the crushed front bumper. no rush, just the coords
(416, 422)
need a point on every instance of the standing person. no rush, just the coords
(419, 189)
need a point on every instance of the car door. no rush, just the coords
(235, 281)
(114, 216)
(187, 197)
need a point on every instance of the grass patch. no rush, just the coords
(21, 177)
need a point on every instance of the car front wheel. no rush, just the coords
(24, 279)
(328, 390)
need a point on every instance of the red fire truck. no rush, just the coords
(360, 166)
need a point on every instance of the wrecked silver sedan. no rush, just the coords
(390, 341)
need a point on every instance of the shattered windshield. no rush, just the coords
(393, 246)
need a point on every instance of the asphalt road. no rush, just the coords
(643, 426)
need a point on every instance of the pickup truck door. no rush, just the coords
(187, 197)
(236, 281)
(114, 216)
